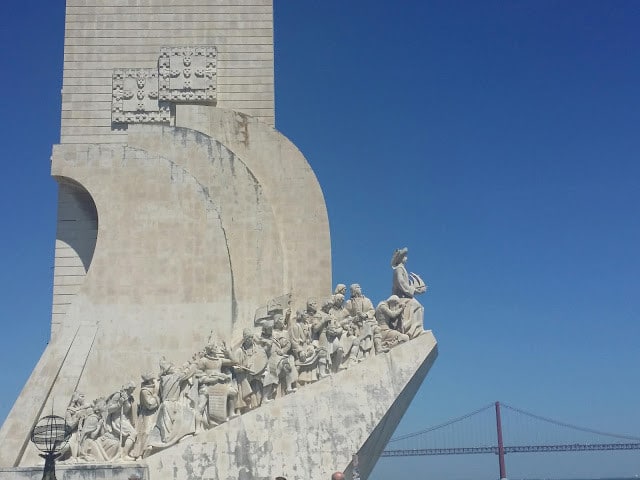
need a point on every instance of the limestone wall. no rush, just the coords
(102, 35)
(75, 243)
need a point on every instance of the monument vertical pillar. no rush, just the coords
(181, 210)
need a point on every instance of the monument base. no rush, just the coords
(307, 434)
(80, 472)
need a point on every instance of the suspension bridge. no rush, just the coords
(500, 429)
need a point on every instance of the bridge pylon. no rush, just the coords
(503, 469)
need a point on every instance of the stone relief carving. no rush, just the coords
(144, 95)
(188, 74)
(283, 353)
(135, 97)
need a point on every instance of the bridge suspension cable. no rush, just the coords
(442, 425)
(569, 425)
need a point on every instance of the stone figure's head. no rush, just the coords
(338, 300)
(312, 306)
(214, 349)
(399, 256)
(147, 378)
(166, 367)
(327, 304)
(100, 406)
(355, 289)
(393, 301)
(129, 387)
(267, 328)
(77, 398)
(341, 288)
(278, 322)
(300, 316)
(247, 336)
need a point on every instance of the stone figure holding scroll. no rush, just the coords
(405, 286)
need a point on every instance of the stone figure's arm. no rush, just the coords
(386, 312)
(149, 400)
(320, 323)
(188, 372)
(401, 282)
(283, 347)
(367, 307)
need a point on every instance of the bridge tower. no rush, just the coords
(503, 469)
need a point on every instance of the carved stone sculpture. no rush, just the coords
(121, 419)
(305, 353)
(281, 374)
(98, 443)
(319, 321)
(250, 364)
(362, 311)
(216, 393)
(331, 337)
(148, 405)
(406, 285)
(388, 313)
(74, 417)
(176, 414)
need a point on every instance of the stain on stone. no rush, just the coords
(242, 128)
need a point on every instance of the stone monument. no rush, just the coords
(193, 333)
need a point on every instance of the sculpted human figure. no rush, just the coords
(319, 321)
(405, 287)
(97, 441)
(338, 308)
(350, 338)
(250, 364)
(358, 303)
(331, 338)
(304, 352)
(361, 310)
(74, 417)
(388, 313)
(281, 371)
(176, 414)
(216, 393)
(148, 405)
(121, 418)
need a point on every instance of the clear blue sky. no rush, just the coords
(499, 141)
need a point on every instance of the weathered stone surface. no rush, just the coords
(188, 242)
(79, 472)
(311, 433)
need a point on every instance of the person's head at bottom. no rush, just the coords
(337, 476)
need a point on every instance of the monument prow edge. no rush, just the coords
(313, 432)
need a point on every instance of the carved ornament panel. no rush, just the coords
(188, 74)
(135, 97)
